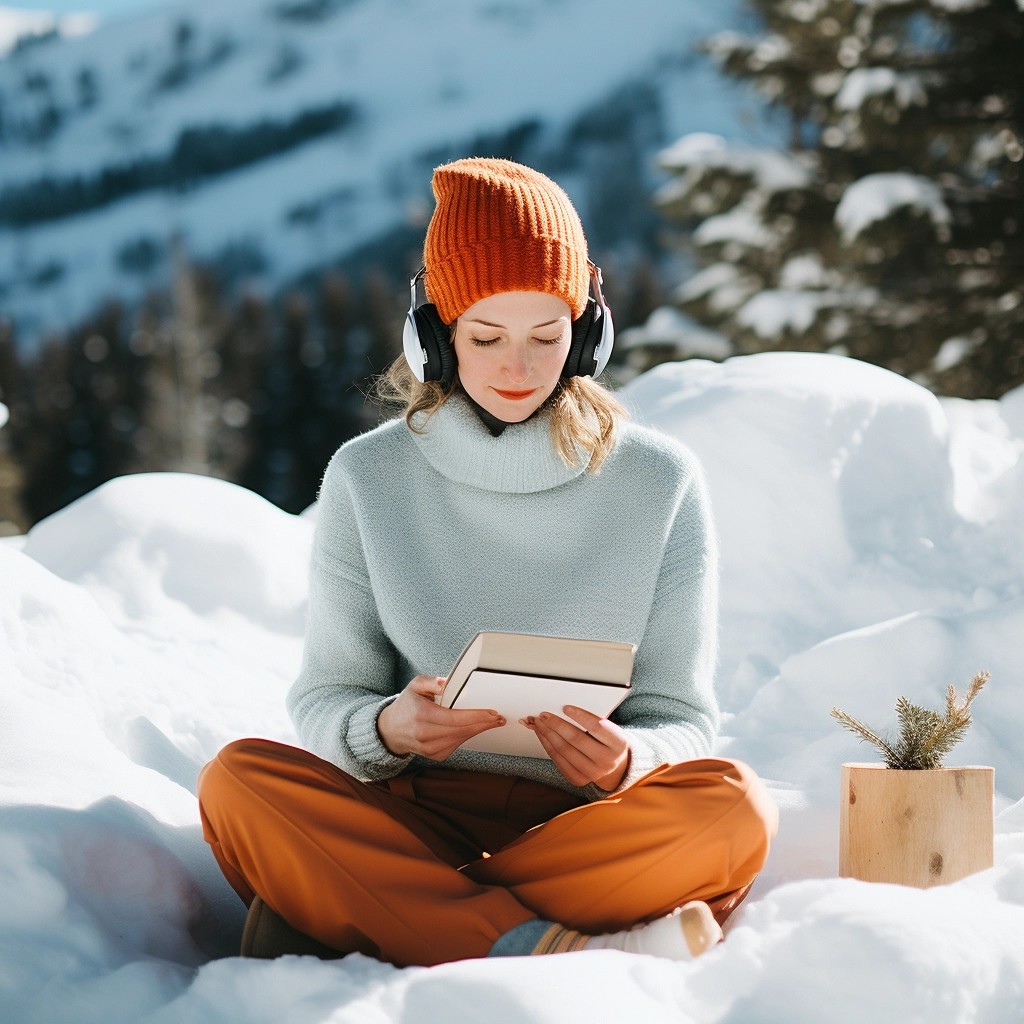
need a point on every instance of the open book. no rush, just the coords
(521, 674)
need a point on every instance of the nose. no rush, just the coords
(518, 366)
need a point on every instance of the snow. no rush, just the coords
(742, 225)
(778, 313)
(772, 170)
(804, 270)
(860, 84)
(877, 196)
(775, 312)
(669, 327)
(952, 6)
(16, 22)
(721, 285)
(871, 546)
(952, 352)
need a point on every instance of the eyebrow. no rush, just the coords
(502, 327)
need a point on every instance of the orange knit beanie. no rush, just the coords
(501, 227)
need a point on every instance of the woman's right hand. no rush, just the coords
(414, 724)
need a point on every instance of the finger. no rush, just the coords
(427, 686)
(591, 723)
(431, 737)
(571, 734)
(611, 736)
(460, 729)
(456, 718)
(569, 770)
(495, 721)
(569, 742)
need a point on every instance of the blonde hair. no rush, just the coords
(585, 415)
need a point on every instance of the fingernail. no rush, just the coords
(500, 720)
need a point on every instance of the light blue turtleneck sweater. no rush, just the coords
(423, 540)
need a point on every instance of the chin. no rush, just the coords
(516, 414)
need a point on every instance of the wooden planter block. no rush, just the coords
(919, 828)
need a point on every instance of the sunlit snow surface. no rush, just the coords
(872, 545)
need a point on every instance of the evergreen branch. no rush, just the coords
(864, 732)
(925, 736)
(918, 726)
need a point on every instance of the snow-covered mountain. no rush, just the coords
(27, 25)
(277, 136)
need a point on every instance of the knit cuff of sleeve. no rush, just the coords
(366, 745)
(592, 791)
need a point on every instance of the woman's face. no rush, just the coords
(511, 348)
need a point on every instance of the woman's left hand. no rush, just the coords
(599, 754)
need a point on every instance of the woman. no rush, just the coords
(513, 496)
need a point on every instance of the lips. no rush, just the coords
(515, 396)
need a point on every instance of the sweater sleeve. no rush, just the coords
(672, 713)
(348, 663)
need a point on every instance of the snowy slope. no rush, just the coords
(872, 546)
(18, 22)
(329, 123)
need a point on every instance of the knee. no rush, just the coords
(235, 765)
(733, 802)
(755, 814)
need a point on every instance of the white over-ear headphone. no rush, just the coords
(426, 339)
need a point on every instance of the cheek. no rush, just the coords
(471, 362)
(553, 359)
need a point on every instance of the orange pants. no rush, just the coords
(435, 865)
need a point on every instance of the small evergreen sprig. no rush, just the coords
(925, 736)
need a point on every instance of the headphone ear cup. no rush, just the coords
(586, 337)
(434, 337)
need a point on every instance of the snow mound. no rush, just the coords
(207, 546)
(871, 546)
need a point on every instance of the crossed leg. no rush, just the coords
(435, 866)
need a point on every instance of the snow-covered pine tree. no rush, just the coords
(893, 228)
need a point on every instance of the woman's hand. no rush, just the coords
(600, 754)
(414, 724)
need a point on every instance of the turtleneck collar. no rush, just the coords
(458, 444)
(490, 421)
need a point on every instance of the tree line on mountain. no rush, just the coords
(254, 390)
(198, 152)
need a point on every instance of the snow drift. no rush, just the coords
(871, 546)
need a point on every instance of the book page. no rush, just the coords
(599, 661)
(519, 696)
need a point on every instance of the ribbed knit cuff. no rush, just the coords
(366, 745)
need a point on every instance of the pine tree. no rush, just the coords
(893, 228)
